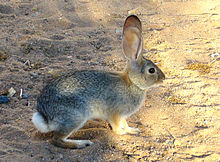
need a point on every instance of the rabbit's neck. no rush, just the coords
(132, 87)
(128, 81)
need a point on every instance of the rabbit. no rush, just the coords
(66, 103)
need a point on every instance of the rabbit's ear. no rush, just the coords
(132, 38)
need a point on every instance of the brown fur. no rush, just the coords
(115, 121)
(132, 21)
(126, 77)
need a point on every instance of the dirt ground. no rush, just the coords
(180, 120)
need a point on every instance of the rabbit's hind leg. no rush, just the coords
(60, 138)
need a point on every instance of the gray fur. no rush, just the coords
(58, 104)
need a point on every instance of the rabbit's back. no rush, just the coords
(89, 93)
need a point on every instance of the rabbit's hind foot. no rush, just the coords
(62, 141)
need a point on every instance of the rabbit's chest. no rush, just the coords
(131, 104)
(125, 103)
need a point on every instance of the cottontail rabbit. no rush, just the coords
(67, 103)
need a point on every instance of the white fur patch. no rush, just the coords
(40, 123)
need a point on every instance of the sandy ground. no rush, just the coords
(179, 120)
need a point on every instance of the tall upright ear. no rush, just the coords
(132, 42)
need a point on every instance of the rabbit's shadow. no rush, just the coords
(93, 129)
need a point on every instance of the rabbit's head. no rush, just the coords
(142, 72)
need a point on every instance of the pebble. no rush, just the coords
(133, 12)
(189, 51)
(118, 31)
(11, 92)
(4, 99)
(45, 21)
(61, 156)
(35, 75)
(25, 96)
(215, 54)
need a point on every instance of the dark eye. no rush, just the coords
(151, 70)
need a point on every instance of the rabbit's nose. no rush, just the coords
(161, 75)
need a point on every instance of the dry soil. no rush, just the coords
(180, 121)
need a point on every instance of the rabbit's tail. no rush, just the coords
(40, 123)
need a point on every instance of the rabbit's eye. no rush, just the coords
(151, 70)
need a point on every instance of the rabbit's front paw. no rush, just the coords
(132, 130)
(120, 131)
